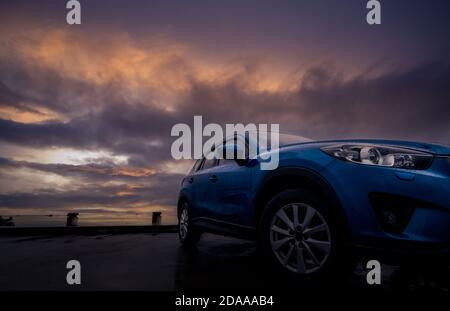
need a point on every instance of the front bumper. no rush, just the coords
(427, 229)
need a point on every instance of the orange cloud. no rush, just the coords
(145, 67)
(113, 171)
(29, 116)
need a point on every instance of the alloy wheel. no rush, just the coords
(184, 218)
(300, 238)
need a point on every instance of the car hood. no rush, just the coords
(436, 149)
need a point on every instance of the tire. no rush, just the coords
(187, 233)
(306, 249)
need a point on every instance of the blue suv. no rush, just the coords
(325, 200)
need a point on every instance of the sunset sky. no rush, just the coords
(86, 110)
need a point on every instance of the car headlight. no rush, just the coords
(380, 155)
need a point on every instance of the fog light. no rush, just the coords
(393, 212)
(389, 217)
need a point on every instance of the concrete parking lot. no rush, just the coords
(156, 262)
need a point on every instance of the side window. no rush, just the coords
(238, 141)
(208, 163)
(196, 166)
(224, 162)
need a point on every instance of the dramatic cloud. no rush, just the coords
(85, 117)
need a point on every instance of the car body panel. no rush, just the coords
(234, 184)
(233, 198)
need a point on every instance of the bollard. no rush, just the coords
(156, 218)
(72, 219)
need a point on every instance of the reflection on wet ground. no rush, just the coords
(222, 264)
(158, 263)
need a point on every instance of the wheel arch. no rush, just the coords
(181, 199)
(298, 178)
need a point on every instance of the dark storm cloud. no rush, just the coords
(25, 85)
(407, 104)
(103, 171)
(135, 130)
(411, 30)
(157, 190)
(10, 98)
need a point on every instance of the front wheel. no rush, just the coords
(187, 233)
(300, 235)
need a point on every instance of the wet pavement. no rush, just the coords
(156, 262)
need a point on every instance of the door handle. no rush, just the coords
(213, 178)
(190, 180)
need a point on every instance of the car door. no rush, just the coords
(189, 187)
(222, 190)
(204, 189)
(233, 186)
